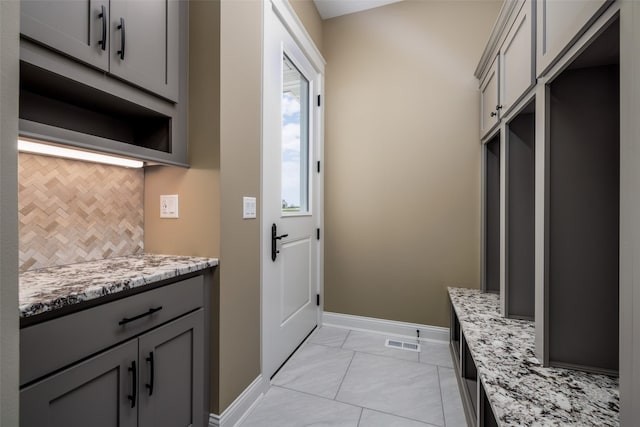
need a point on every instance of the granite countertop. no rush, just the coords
(521, 392)
(48, 289)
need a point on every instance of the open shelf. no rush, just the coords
(61, 110)
(454, 335)
(491, 279)
(469, 375)
(584, 209)
(485, 415)
(520, 253)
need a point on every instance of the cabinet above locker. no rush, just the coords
(506, 69)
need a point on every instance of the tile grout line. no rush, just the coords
(360, 418)
(400, 416)
(345, 338)
(444, 418)
(316, 396)
(344, 376)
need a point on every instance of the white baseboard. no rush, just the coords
(382, 326)
(240, 408)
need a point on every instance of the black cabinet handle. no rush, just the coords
(493, 114)
(103, 16)
(151, 373)
(126, 320)
(134, 382)
(498, 107)
(122, 39)
(274, 240)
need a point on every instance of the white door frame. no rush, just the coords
(294, 26)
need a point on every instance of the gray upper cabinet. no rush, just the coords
(75, 28)
(506, 70)
(108, 76)
(560, 23)
(489, 108)
(136, 41)
(144, 44)
(517, 58)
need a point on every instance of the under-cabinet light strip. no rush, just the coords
(70, 153)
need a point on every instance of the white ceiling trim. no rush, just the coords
(332, 8)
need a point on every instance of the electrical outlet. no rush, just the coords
(169, 206)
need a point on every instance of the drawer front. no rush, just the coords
(54, 344)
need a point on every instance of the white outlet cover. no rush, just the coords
(169, 206)
(248, 207)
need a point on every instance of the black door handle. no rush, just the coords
(134, 384)
(122, 39)
(126, 320)
(151, 373)
(274, 241)
(103, 16)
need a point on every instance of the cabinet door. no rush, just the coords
(172, 374)
(92, 393)
(145, 44)
(516, 59)
(559, 23)
(75, 28)
(489, 100)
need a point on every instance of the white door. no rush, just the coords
(290, 195)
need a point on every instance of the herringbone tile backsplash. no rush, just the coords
(72, 211)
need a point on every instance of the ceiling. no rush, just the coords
(332, 8)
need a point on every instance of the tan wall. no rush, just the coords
(308, 14)
(240, 138)
(197, 231)
(403, 157)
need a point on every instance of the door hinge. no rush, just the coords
(318, 166)
(318, 233)
(319, 100)
(318, 300)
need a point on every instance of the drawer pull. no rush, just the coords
(134, 383)
(103, 15)
(126, 320)
(151, 374)
(122, 40)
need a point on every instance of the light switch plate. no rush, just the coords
(248, 207)
(169, 206)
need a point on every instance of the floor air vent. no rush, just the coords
(402, 345)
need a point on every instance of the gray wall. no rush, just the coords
(629, 214)
(9, 76)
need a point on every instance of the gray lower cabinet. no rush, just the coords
(92, 393)
(155, 380)
(171, 374)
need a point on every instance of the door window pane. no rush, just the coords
(295, 139)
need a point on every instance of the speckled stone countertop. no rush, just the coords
(48, 289)
(520, 391)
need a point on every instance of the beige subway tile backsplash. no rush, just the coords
(72, 211)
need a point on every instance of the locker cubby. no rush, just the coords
(583, 209)
(491, 279)
(520, 215)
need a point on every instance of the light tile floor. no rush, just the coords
(349, 378)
